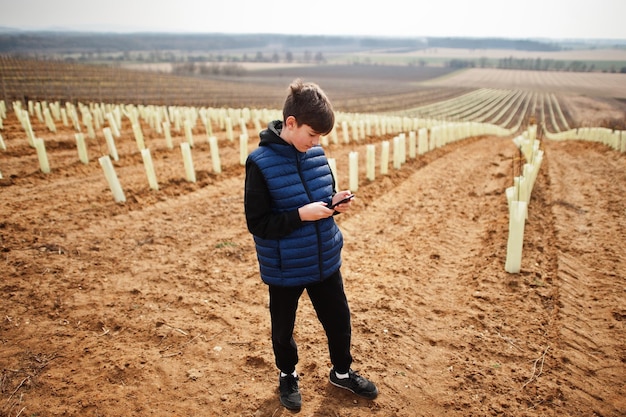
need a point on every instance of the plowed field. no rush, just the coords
(155, 307)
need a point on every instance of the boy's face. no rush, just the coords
(301, 137)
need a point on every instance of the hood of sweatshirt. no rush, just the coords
(272, 134)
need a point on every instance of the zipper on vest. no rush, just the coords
(320, 259)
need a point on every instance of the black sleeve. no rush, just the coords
(260, 218)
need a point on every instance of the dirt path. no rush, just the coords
(590, 348)
(155, 307)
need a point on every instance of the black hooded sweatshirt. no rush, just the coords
(260, 219)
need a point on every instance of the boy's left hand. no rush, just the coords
(343, 207)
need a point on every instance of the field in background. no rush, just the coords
(588, 98)
(594, 84)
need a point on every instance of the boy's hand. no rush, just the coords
(320, 210)
(342, 207)
(314, 211)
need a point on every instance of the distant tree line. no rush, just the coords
(494, 43)
(78, 42)
(533, 64)
(238, 48)
(231, 66)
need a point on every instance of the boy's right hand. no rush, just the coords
(315, 211)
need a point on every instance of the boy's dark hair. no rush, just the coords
(308, 103)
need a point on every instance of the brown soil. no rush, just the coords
(155, 307)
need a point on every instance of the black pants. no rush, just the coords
(330, 304)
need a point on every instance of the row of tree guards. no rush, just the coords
(108, 118)
(419, 142)
(518, 195)
(415, 134)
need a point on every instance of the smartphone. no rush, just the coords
(345, 200)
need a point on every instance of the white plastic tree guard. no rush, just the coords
(111, 177)
(149, 166)
(190, 173)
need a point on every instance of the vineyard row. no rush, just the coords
(482, 108)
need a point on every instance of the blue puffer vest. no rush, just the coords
(313, 252)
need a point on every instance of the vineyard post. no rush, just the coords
(357, 131)
(149, 166)
(49, 122)
(383, 127)
(40, 146)
(537, 160)
(442, 134)
(229, 129)
(176, 116)
(168, 135)
(74, 116)
(517, 219)
(371, 162)
(344, 130)
(215, 155)
(38, 112)
(88, 121)
(243, 148)
(111, 177)
(97, 118)
(412, 144)
(188, 132)
(397, 157)
(190, 173)
(434, 131)
(611, 141)
(160, 115)
(30, 135)
(422, 141)
(108, 137)
(377, 130)
(402, 137)
(82, 149)
(3, 146)
(113, 125)
(521, 185)
(353, 158)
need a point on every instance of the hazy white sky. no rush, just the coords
(556, 19)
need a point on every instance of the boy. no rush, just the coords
(289, 188)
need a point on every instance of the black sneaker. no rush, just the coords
(289, 392)
(355, 383)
